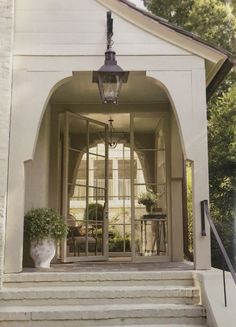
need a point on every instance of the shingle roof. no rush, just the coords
(223, 70)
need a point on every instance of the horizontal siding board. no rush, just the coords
(52, 5)
(24, 39)
(79, 63)
(82, 24)
(89, 38)
(90, 49)
(60, 15)
(59, 27)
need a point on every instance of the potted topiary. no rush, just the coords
(43, 227)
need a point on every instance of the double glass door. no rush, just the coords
(95, 181)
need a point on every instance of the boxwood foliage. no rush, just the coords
(44, 223)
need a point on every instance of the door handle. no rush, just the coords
(106, 214)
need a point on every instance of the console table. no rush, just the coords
(157, 222)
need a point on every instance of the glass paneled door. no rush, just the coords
(150, 214)
(85, 197)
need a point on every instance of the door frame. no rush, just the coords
(134, 257)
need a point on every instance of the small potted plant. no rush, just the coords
(43, 227)
(148, 199)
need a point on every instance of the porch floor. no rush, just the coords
(115, 264)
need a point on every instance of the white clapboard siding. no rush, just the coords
(71, 63)
(78, 27)
(58, 4)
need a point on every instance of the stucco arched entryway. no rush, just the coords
(136, 104)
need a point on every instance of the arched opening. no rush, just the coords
(101, 192)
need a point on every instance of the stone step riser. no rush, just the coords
(104, 322)
(156, 325)
(61, 302)
(46, 279)
(92, 295)
(62, 283)
(110, 312)
(159, 322)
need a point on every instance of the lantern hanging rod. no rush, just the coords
(109, 30)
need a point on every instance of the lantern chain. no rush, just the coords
(109, 30)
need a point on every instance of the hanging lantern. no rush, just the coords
(110, 76)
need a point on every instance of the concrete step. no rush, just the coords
(94, 294)
(102, 315)
(60, 279)
(39, 324)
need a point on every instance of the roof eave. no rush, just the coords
(228, 64)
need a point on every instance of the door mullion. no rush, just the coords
(132, 186)
(87, 190)
(105, 219)
(65, 179)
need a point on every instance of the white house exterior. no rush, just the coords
(48, 52)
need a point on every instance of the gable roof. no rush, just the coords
(218, 70)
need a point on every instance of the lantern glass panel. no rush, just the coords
(109, 86)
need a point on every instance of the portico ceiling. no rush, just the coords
(81, 90)
(121, 122)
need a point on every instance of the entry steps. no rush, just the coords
(128, 299)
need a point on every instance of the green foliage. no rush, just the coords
(148, 199)
(119, 244)
(210, 19)
(223, 88)
(95, 212)
(44, 223)
(222, 167)
(189, 206)
(233, 4)
(226, 230)
(175, 11)
(213, 21)
(222, 155)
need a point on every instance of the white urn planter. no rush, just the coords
(42, 252)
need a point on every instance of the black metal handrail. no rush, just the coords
(206, 212)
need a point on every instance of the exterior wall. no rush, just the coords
(37, 170)
(6, 19)
(176, 180)
(52, 43)
(54, 168)
(187, 93)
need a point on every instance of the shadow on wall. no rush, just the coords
(27, 260)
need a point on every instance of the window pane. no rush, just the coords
(82, 170)
(124, 169)
(99, 169)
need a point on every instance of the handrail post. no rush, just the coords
(225, 295)
(204, 203)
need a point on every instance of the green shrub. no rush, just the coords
(95, 212)
(44, 223)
